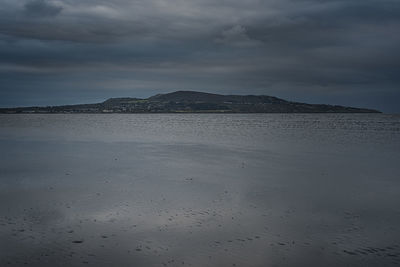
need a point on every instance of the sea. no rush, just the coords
(200, 190)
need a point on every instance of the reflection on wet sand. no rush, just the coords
(149, 199)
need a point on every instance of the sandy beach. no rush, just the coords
(200, 190)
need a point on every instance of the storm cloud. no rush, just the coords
(42, 8)
(69, 51)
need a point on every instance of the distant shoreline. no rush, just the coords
(190, 102)
(155, 113)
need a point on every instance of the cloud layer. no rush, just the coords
(42, 8)
(317, 51)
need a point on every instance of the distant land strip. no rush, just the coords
(193, 102)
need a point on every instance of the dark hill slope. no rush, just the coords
(193, 97)
(190, 101)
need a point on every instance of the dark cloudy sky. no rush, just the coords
(318, 51)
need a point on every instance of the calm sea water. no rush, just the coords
(200, 190)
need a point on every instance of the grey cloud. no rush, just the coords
(237, 36)
(41, 8)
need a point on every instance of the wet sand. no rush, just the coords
(199, 190)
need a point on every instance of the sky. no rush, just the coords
(316, 51)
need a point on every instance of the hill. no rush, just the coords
(194, 102)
